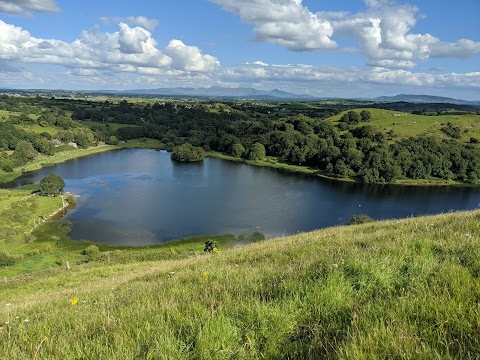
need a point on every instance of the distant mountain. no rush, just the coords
(425, 99)
(221, 92)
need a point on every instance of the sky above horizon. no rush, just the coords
(326, 48)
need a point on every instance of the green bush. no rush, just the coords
(6, 260)
(91, 252)
(210, 245)
(360, 219)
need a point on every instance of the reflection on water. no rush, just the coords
(139, 197)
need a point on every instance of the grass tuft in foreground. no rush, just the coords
(403, 289)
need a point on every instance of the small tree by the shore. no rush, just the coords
(51, 185)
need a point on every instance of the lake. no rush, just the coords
(141, 197)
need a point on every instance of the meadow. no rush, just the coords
(401, 289)
(404, 125)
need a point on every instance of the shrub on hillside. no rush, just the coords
(6, 260)
(91, 252)
(210, 246)
(360, 219)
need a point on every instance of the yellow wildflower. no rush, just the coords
(74, 301)
(215, 250)
(205, 273)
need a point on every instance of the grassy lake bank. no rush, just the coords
(391, 289)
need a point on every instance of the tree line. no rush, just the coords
(352, 149)
(345, 150)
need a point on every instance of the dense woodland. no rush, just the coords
(300, 136)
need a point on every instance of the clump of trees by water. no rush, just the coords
(188, 153)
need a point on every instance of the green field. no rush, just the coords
(20, 213)
(52, 130)
(4, 114)
(406, 125)
(401, 289)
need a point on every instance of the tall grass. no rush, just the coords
(388, 290)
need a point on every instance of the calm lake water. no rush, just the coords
(141, 197)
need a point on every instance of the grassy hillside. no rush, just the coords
(405, 125)
(394, 289)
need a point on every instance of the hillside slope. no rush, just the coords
(394, 289)
(401, 125)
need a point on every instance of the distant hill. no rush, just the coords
(221, 92)
(424, 99)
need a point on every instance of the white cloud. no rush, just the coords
(383, 31)
(319, 79)
(131, 40)
(462, 48)
(127, 50)
(190, 58)
(142, 21)
(19, 6)
(283, 22)
(384, 34)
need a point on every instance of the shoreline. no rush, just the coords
(45, 161)
(272, 163)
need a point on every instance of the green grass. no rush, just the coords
(401, 289)
(111, 126)
(4, 114)
(143, 144)
(52, 130)
(410, 125)
(20, 212)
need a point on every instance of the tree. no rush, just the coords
(24, 152)
(257, 152)
(351, 117)
(238, 150)
(51, 185)
(187, 152)
(366, 115)
(112, 140)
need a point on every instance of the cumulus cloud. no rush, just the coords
(383, 31)
(131, 41)
(127, 50)
(190, 58)
(385, 36)
(19, 6)
(142, 21)
(283, 22)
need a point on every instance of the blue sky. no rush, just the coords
(355, 48)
